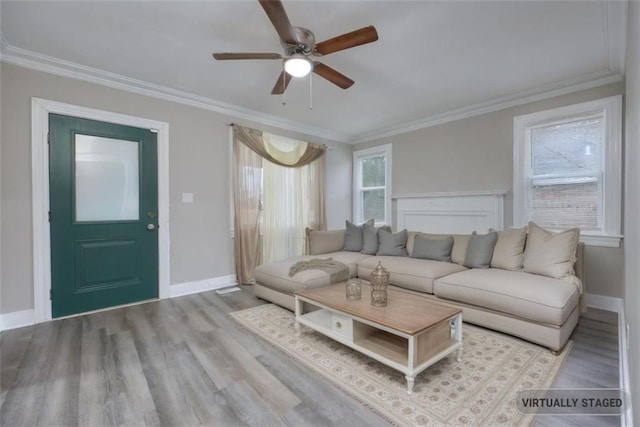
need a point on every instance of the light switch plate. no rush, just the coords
(187, 197)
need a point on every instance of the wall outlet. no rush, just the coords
(187, 197)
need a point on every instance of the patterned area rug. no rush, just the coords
(479, 390)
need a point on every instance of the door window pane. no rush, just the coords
(107, 179)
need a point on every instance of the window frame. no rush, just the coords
(358, 156)
(611, 180)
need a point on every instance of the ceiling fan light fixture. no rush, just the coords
(298, 66)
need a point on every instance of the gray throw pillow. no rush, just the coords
(353, 240)
(435, 249)
(480, 250)
(392, 244)
(370, 238)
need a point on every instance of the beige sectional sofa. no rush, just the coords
(536, 307)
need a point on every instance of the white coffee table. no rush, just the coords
(410, 334)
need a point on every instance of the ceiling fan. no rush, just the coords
(300, 46)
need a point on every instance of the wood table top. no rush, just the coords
(405, 312)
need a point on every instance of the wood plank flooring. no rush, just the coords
(185, 362)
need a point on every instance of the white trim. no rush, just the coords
(35, 61)
(16, 319)
(451, 194)
(40, 109)
(526, 97)
(451, 212)
(19, 319)
(616, 305)
(611, 204)
(623, 366)
(603, 302)
(47, 64)
(387, 151)
(600, 240)
(188, 288)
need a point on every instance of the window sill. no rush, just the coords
(606, 241)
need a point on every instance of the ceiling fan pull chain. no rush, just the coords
(311, 91)
(284, 86)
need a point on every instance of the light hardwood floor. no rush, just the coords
(183, 361)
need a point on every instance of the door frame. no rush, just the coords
(40, 110)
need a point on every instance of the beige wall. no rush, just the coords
(632, 193)
(201, 246)
(476, 154)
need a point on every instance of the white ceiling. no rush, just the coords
(433, 59)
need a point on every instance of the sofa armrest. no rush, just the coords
(324, 242)
(579, 265)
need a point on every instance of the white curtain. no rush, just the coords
(293, 200)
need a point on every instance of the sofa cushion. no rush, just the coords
(392, 244)
(480, 250)
(409, 273)
(276, 274)
(354, 238)
(550, 254)
(509, 251)
(322, 242)
(370, 240)
(528, 296)
(434, 249)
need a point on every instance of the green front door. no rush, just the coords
(103, 214)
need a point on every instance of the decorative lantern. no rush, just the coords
(354, 289)
(379, 283)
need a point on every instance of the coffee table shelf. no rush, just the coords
(409, 335)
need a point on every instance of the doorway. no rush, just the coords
(42, 268)
(103, 214)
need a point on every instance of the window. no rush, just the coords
(567, 169)
(372, 184)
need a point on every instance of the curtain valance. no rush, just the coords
(280, 151)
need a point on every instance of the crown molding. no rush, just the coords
(47, 64)
(35, 61)
(569, 86)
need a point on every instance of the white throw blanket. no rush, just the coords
(338, 271)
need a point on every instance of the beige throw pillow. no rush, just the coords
(509, 251)
(550, 254)
(324, 242)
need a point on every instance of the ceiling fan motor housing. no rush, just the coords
(305, 42)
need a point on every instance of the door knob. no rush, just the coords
(151, 227)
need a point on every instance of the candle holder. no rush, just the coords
(379, 284)
(354, 289)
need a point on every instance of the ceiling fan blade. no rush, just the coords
(345, 41)
(281, 83)
(278, 17)
(332, 75)
(248, 55)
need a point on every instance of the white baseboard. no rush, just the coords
(603, 302)
(188, 288)
(17, 319)
(623, 373)
(616, 305)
